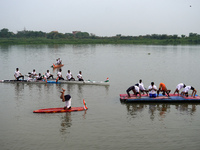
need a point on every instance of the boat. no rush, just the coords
(57, 66)
(161, 98)
(86, 82)
(61, 109)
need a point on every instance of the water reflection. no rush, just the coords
(160, 110)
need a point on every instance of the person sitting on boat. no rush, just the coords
(135, 90)
(179, 87)
(39, 77)
(186, 89)
(69, 76)
(66, 98)
(163, 89)
(79, 76)
(33, 74)
(152, 90)
(48, 75)
(58, 61)
(141, 87)
(59, 75)
(18, 75)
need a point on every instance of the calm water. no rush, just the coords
(108, 123)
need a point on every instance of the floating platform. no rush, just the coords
(173, 98)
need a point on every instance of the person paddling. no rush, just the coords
(66, 98)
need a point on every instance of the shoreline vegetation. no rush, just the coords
(77, 37)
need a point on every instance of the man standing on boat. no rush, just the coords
(18, 75)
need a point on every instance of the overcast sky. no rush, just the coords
(102, 17)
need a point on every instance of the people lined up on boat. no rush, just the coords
(66, 98)
(135, 90)
(79, 76)
(186, 89)
(69, 76)
(162, 88)
(18, 74)
(152, 90)
(48, 75)
(179, 87)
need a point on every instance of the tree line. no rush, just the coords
(192, 38)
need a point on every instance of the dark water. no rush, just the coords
(108, 123)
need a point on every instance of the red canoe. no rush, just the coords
(57, 66)
(61, 109)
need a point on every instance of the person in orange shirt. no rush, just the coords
(163, 89)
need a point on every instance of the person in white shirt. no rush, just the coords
(33, 74)
(135, 90)
(58, 61)
(179, 87)
(59, 75)
(186, 89)
(152, 90)
(141, 87)
(69, 76)
(48, 75)
(18, 75)
(39, 77)
(66, 98)
(79, 76)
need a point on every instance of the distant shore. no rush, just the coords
(25, 41)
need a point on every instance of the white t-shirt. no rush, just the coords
(141, 86)
(68, 103)
(79, 76)
(186, 89)
(137, 89)
(152, 91)
(17, 73)
(59, 74)
(180, 86)
(48, 74)
(69, 75)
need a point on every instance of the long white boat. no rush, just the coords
(87, 82)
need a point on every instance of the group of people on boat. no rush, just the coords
(153, 92)
(34, 76)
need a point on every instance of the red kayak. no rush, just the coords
(61, 109)
(57, 66)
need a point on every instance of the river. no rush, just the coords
(108, 123)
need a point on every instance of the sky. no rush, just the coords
(102, 17)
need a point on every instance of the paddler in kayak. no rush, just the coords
(66, 98)
(135, 90)
(79, 76)
(186, 89)
(152, 90)
(179, 87)
(163, 89)
(18, 75)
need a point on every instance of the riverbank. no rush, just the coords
(139, 41)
